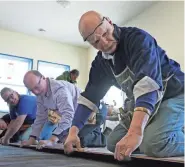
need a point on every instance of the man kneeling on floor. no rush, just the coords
(132, 60)
(56, 102)
(17, 125)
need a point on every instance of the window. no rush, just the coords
(12, 71)
(115, 94)
(51, 70)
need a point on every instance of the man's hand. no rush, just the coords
(129, 143)
(132, 140)
(4, 141)
(3, 124)
(72, 140)
(29, 142)
(44, 143)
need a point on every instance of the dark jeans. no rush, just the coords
(91, 135)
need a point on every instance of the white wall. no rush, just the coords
(19, 44)
(165, 21)
(91, 56)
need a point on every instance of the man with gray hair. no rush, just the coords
(56, 105)
(132, 60)
(22, 110)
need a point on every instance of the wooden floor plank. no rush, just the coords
(104, 151)
(17, 157)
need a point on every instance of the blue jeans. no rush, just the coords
(91, 135)
(25, 135)
(47, 130)
(45, 134)
(163, 136)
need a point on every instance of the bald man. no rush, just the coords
(56, 105)
(132, 60)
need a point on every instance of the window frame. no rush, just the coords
(47, 62)
(19, 58)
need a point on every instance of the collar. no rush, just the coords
(107, 56)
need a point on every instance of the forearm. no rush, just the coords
(41, 119)
(38, 125)
(12, 129)
(81, 116)
(36, 129)
(139, 122)
(145, 105)
(74, 130)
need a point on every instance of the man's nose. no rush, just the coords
(35, 92)
(102, 43)
(11, 100)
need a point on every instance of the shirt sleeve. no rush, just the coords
(100, 80)
(145, 63)
(66, 109)
(25, 106)
(41, 118)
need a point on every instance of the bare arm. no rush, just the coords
(41, 117)
(139, 122)
(14, 126)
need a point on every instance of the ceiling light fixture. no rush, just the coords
(63, 3)
(41, 30)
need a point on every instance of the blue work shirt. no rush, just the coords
(26, 106)
(139, 67)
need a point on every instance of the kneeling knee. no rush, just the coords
(111, 144)
(153, 151)
(155, 148)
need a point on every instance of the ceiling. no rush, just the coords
(61, 24)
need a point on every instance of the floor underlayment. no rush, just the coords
(29, 157)
(18, 157)
(104, 151)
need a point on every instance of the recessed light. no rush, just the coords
(41, 30)
(63, 3)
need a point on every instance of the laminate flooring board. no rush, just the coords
(19, 157)
(94, 156)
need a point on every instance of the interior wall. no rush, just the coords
(165, 21)
(91, 56)
(19, 44)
